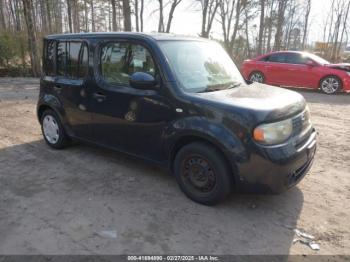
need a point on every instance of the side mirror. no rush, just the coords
(141, 80)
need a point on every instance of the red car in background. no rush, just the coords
(297, 69)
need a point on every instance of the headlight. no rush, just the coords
(273, 133)
(348, 73)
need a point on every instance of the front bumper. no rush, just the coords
(274, 170)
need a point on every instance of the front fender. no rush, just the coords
(212, 131)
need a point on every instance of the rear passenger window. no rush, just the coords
(277, 58)
(296, 59)
(49, 55)
(72, 59)
(120, 60)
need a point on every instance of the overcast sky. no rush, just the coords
(187, 19)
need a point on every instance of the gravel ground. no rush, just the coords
(62, 202)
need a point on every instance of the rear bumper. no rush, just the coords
(265, 174)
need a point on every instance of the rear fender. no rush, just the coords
(52, 102)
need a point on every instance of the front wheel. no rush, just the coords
(330, 85)
(202, 173)
(257, 77)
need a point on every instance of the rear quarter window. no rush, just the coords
(49, 57)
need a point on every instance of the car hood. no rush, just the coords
(257, 101)
(341, 66)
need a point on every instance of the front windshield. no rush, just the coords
(201, 66)
(318, 59)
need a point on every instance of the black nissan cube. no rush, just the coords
(179, 102)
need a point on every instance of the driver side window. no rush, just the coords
(120, 60)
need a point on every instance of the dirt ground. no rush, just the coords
(61, 202)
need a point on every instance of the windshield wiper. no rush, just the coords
(217, 88)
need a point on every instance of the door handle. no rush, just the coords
(99, 96)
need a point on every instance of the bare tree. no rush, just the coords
(141, 14)
(345, 20)
(32, 44)
(76, 20)
(247, 32)
(137, 15)
(280, 21)
(291, 26)
(48, 15)
(86, 16)
(127, 15)
(209, 9)
(270, 25)
(57, 17)
(261, 26)
(161, 16)
(43, 13)
(236, 25)
(173, 6)
(335, 38)
(93, 24)
(69, 12)
(226, 10)
(306, 22)
(114, 16)
(2, 15)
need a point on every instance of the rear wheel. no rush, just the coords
(202, 173)
(53, 131)
(257, 77)
(330, 85)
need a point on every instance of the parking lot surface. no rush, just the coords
(88, 200)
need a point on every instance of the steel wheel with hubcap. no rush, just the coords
(257, 77)
(202, 173)
(330, 85)
(52, 130)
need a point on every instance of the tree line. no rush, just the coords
(246, 27)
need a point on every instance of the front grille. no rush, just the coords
(301, 122)
(302, 128)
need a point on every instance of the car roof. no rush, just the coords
(287, 52)
(134, 35)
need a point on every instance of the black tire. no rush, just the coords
(330, 85)
(257, 76)
(212, 175)
(63, 140)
